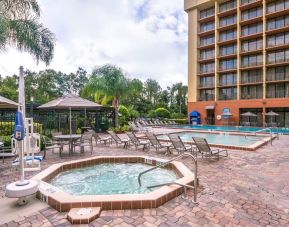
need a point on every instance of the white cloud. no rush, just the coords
(147, 38)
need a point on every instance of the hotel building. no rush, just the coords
(238, 59)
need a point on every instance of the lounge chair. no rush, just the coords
(85, 141)
(119, 141)
(157, 144)
(179, 145)
(106, 140)
(138, 142)
(204, 148)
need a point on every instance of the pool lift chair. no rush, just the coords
(205, 150)
(22, 188)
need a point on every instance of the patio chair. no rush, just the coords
(53, 145)
(179, 145)
(119, 141)
(85, 141)
(157, 144)
(205, 150)
(138, 142)
(106, 140)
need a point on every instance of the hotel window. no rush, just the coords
(228, 93)
(278, 73)
(228, 35)
(207, 95)
(252, 13)
(228, 50)
(278, 39)
(252, 92)
(278, 22)
(252, 44)
(227, 6)
(208, 26)
(207, 81)
(207, 68)
(228, 64)
(225, 21)
(228, 79)
(207, 40)
(252, 76)
(252, 29)
(278, 90)
(207, 54)
(207, 12)
(277, 6)
(252, 60)
(244, 2)
(278, 56)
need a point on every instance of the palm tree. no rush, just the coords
(19, 27)
(110, 81)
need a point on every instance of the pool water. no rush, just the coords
(233, 128)
(220, 138)
(111, 178)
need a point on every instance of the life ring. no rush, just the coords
(219, 117)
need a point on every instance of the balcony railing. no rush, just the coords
(228, 97)
(246, 2)
(252, 95)
(251, 64)
(251, 80)
(278, 94)
(227, 83)
(207, 97)
(277, 77)
(201, 85)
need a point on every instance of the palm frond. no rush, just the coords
(31, 36)
(19, 9)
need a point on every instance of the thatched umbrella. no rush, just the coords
(7, 103)
(70, 101)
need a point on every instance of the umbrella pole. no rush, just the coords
(70, 128)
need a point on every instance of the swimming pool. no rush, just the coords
(232, 128)
(111, 178)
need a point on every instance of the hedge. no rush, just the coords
(6, 128)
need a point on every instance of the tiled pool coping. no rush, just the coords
(251, 147)
(63, 201)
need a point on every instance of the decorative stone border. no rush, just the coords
(63, 201)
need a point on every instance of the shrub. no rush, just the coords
(124, 115)
(121, 129)
(162, 113)
(6, 128)
(177, 116)
(7, 141)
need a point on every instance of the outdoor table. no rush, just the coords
(70, 138)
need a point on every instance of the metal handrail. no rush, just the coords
(263, 130)
(174, 159)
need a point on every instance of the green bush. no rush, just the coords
(162, 113)
(133, 113)
(6, 128)
(7, 141)
(121, 129)
(124, 111)
(180, 121)
(177, 116)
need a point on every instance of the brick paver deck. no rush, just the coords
(245, 189)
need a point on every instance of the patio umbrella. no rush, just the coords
(70, 102)
(7, 103)
(271, 114)
(249, 114)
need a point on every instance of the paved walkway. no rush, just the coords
(245, 189)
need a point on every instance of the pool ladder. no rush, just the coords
(185, 186)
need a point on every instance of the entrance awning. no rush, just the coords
(210, 107)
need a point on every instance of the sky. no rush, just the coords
(147, 38)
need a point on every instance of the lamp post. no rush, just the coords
(31, 106)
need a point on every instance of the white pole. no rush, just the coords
(21, 108)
